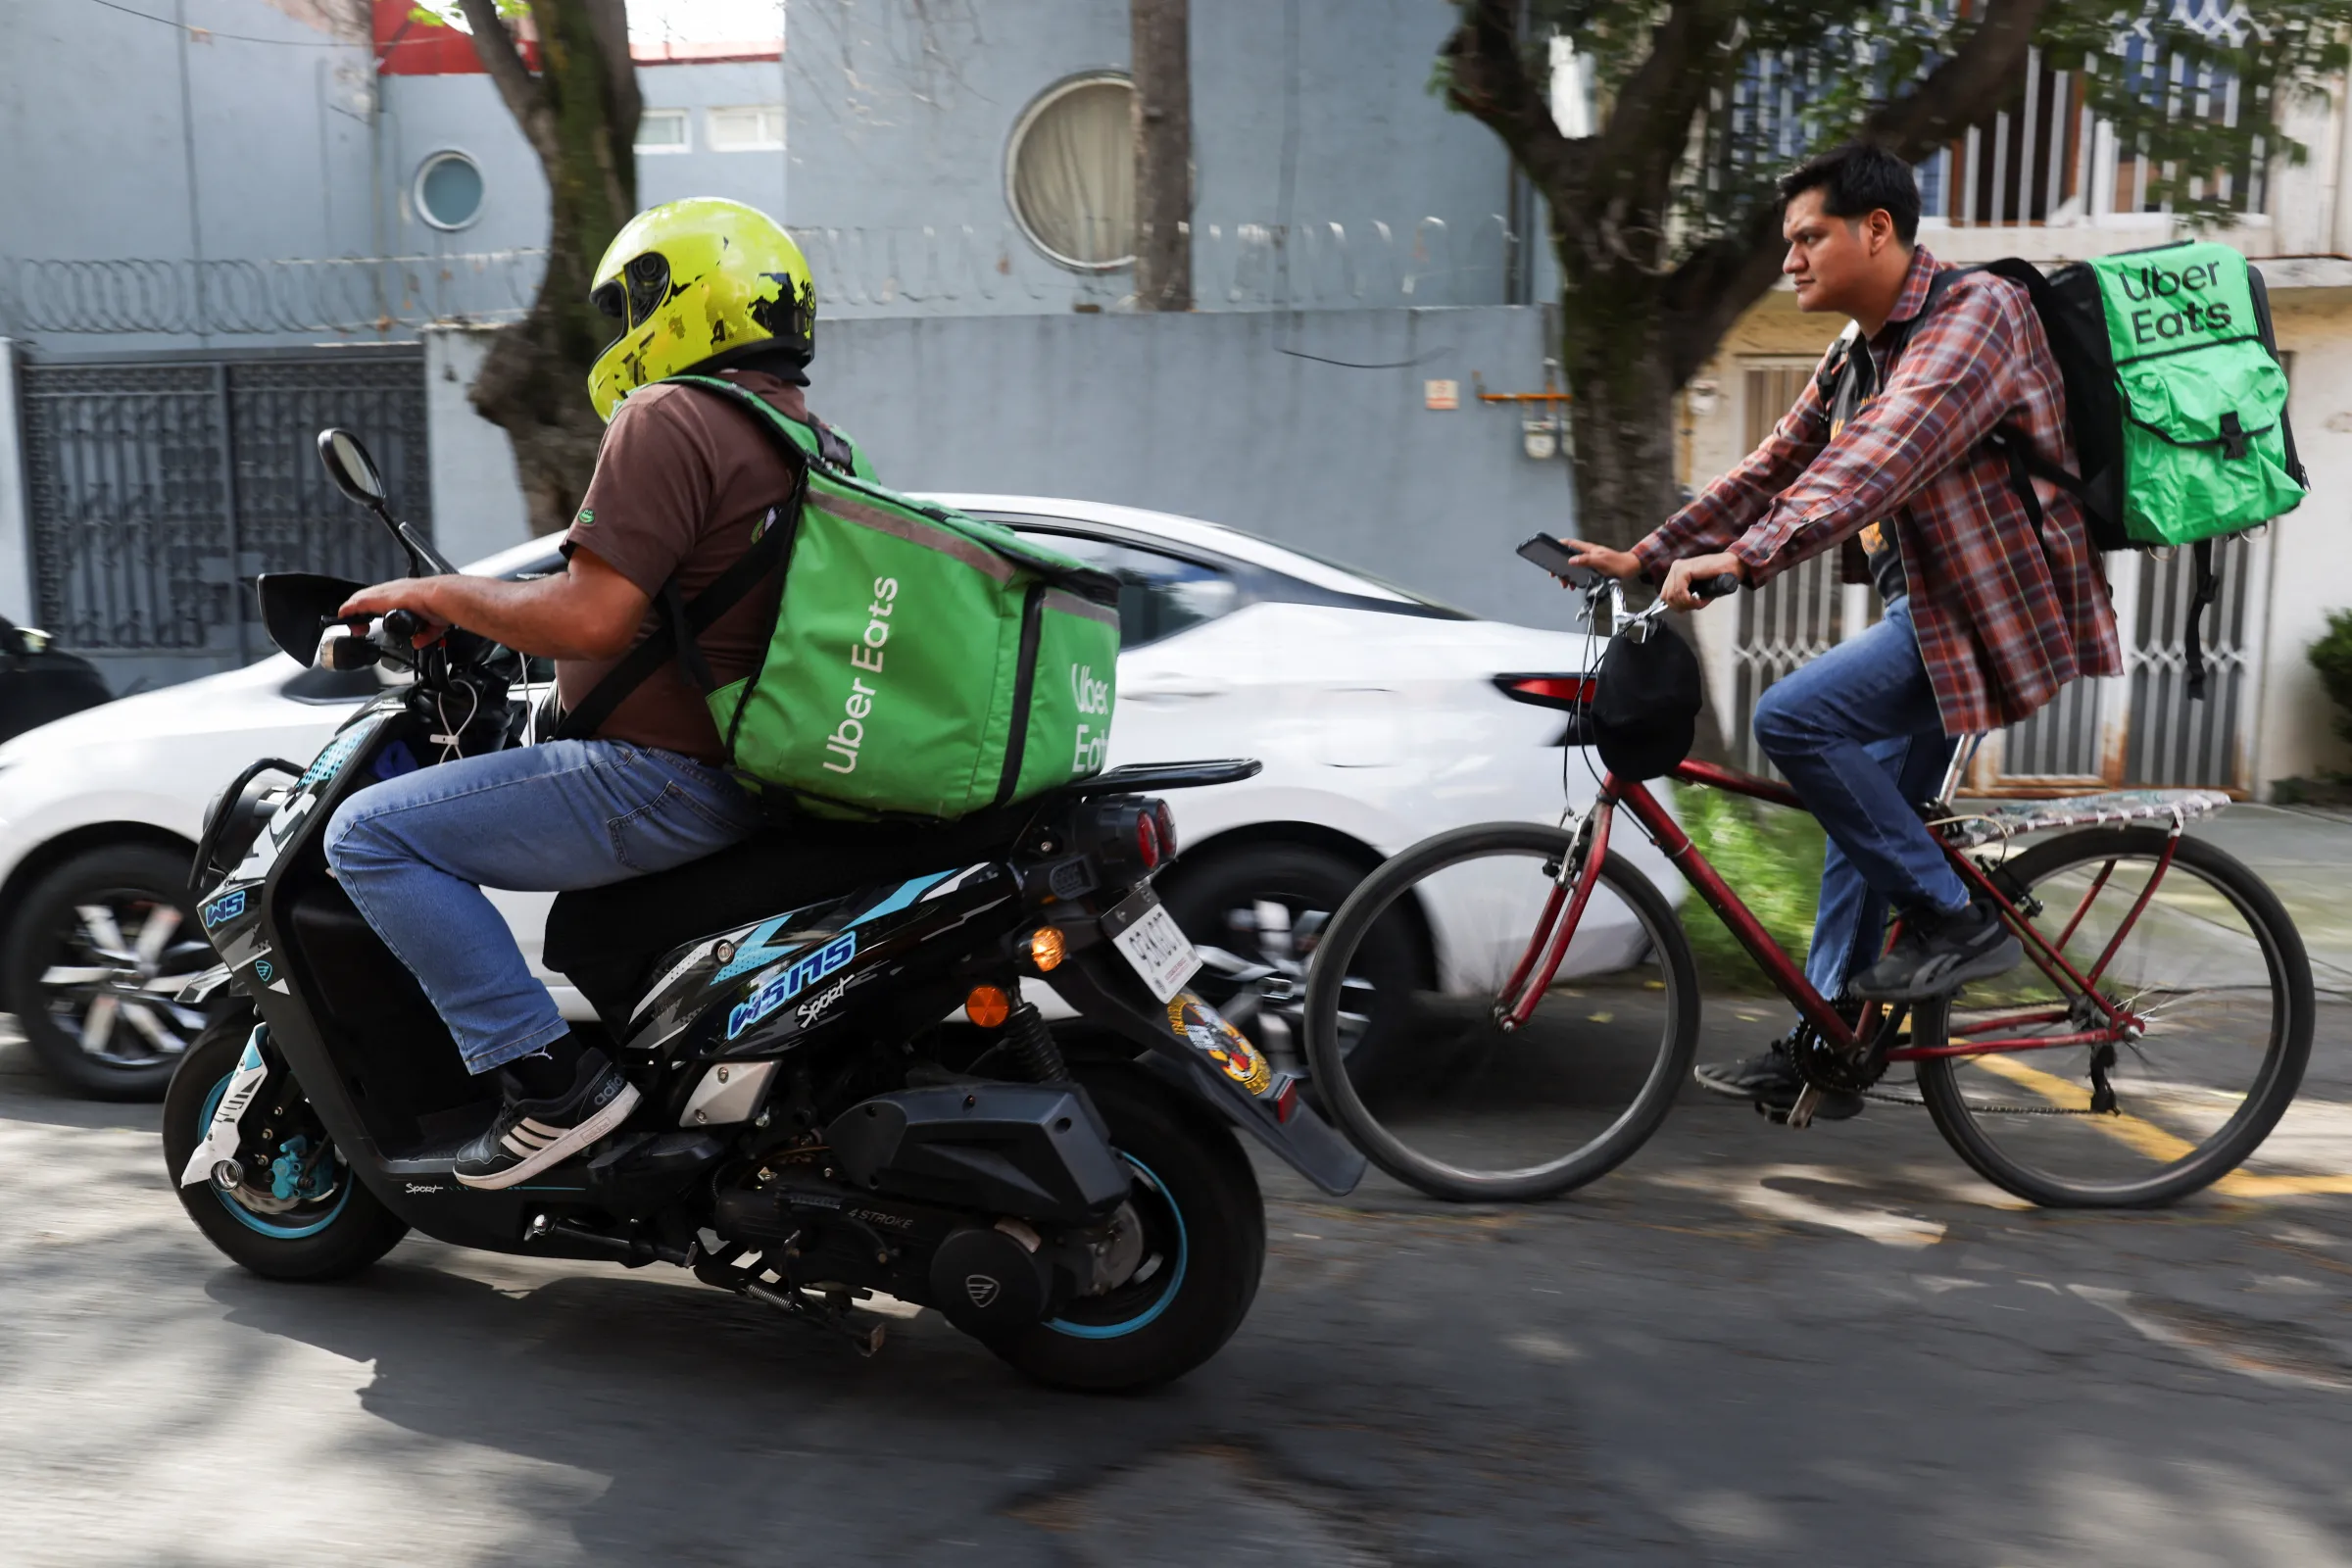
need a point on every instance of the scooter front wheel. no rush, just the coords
(296, 1210)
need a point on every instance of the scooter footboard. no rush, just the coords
(1192, 1041)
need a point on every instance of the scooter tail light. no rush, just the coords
(1146, 839)
(1165, 819)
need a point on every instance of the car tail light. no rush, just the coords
(1547, 691)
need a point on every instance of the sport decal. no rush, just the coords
(1196, 1021)
(227, 908)
(804, 972)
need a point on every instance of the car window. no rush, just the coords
(1160, 595)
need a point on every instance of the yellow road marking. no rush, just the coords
(2146, 1138)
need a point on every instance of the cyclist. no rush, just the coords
(1987, 615)
(681, 484)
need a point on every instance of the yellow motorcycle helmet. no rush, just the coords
(695, 280)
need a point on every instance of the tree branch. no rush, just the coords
(495, 48)
(1488, 81)
(610, 21)
(1649, 125)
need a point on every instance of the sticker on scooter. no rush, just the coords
(1200, 1023)
(804, 973)
(221, 1141)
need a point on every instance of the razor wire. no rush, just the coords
(344, 296)
(860, 272)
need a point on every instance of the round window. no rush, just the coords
(449, 190)
(1070, 171)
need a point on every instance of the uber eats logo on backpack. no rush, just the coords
(1090, 695)
(865, 654)
(2175, 306)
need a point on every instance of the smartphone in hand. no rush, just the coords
(1558, 559)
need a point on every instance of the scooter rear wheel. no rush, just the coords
(1204, 1228)
(328, 1227)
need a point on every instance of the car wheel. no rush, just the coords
(1255, 911)
(93, 956)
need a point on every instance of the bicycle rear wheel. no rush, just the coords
(1463, 1108)
(2212, 966)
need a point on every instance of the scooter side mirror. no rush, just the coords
(353, 470)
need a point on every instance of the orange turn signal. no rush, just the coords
(1045, 948)
(987, 1007)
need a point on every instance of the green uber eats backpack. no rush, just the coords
(922, 664)
(2175, 397)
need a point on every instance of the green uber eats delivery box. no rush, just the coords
(2206, 449)
(922, 664)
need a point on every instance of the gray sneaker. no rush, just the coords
(1938, 954)
(1770, 1079)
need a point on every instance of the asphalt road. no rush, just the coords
(1750, 1345)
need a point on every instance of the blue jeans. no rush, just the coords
(416, 852)
(1857, 734)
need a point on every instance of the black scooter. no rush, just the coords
(811, 1130)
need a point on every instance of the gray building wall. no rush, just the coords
(1238, 417)
(248, 135)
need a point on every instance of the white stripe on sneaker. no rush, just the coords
(569, 1140)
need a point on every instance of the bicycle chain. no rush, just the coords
(1990, 1111)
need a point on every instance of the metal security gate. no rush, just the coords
(159, 489)
(2142, 729)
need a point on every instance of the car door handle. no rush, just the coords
(1176, 686)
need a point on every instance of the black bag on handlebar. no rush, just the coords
(1644, 709)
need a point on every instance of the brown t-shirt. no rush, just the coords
(681, 481)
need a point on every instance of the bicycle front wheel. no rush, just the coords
(1463, 1108)
(2200, 952)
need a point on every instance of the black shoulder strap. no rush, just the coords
(679, 635)
(2193, 641)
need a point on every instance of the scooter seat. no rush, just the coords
(608, 940)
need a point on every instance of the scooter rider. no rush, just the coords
(1988, 614)
(681, 483)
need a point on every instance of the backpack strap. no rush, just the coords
(679, 636)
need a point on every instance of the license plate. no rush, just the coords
(1147, 937)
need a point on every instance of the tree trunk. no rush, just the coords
(579, 114)
(1616, 360)
(1613, 336)
(1161, 44)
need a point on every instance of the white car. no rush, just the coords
(1380, 716)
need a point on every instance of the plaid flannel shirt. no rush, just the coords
(2006, 614)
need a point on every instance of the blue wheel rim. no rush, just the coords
(1145, 1316)
(245, 1216)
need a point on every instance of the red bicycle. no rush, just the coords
(2154, 1036)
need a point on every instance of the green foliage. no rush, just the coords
(1771, 856)
(1830, 64)
(2332, 656)
(451, 15)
